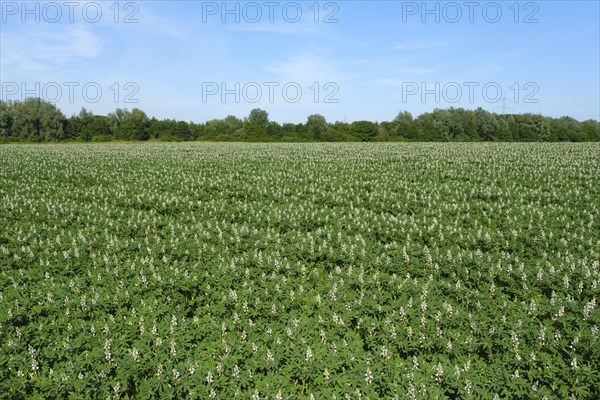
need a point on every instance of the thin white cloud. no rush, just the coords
(37, 50)
(482, 72)
(308, 67)
(583, 31)
(281, 27)
(427, 44)
(407, 82)
(413, 71)
(389, 82)
(322, 80)
(164, 25)
(77, 41)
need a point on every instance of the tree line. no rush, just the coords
(36, 120)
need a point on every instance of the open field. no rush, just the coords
(275, 271)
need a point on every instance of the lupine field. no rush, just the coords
(300, 271)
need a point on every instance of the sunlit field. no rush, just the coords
(300, 271)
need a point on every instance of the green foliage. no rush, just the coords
(259, 117)
(317, 126)
(101, 138)
(403, 126)
(86, 126)
(364, 131)
(132, 126)
(230, 127)
(36, 120)
(33, 120)
(364, 270)
(170, 130)
(256, 126)
(6, 119)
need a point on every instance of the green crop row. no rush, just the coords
(300, 271)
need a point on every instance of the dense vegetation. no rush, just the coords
(35, 120)
(276, 271)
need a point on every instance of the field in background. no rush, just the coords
(300, 271)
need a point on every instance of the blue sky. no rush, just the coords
(351, 60)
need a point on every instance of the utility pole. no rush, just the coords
(504, 108)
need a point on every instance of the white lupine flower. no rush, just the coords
(176, 374)
(368, 376)
(574, 363)
(384, 352)
(309, 354)
(438, 372)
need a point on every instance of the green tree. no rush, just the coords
(6, 119)
(255, 126)
(197, 130)
(96, 127)
(86, 125)
(487, 125)
(129, 125)
(565, 128)
(469, 123)
(387, 132)
(364, 130)
(442, 125)
(339, 132)
(534, 127)
(233, 124)
(214, 128)
(289, 132)
(513, 127)
(590, 130)
(274, 131)
(38, 120)
(316, 125)
(403, 125)
(226, 129)
(425, 127)
(504, 131)
(258, 116)
(115, 119)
